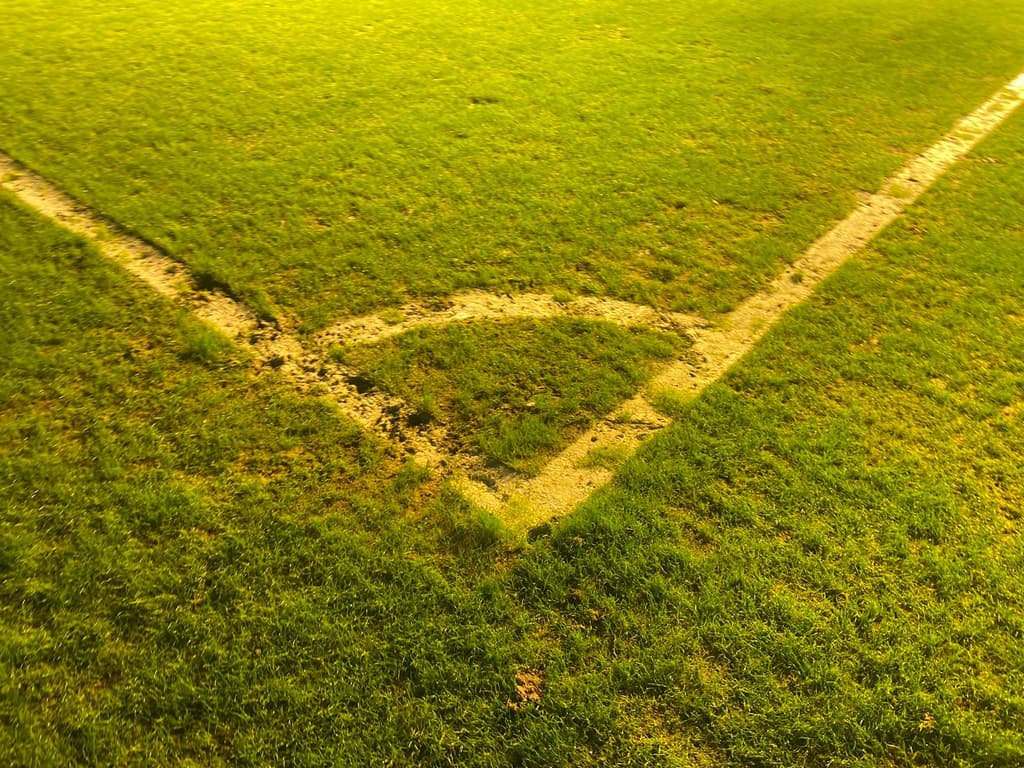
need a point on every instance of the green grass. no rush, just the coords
(819, 563)
(330, 158)
(202, 568)
(515, 392)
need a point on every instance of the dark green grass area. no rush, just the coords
(330, 158)
(516, 391)
(821, 563)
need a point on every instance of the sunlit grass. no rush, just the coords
(819, 563)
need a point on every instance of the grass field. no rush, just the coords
(818, 563)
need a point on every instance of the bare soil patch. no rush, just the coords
(529, 686)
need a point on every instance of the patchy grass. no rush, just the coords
(608, 457)
(518, 390)
(331, 158)
(820, 563)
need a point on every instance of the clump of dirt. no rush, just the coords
(529, 686)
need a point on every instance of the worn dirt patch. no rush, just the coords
(529, 687)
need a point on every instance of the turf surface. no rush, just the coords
(819, 563)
